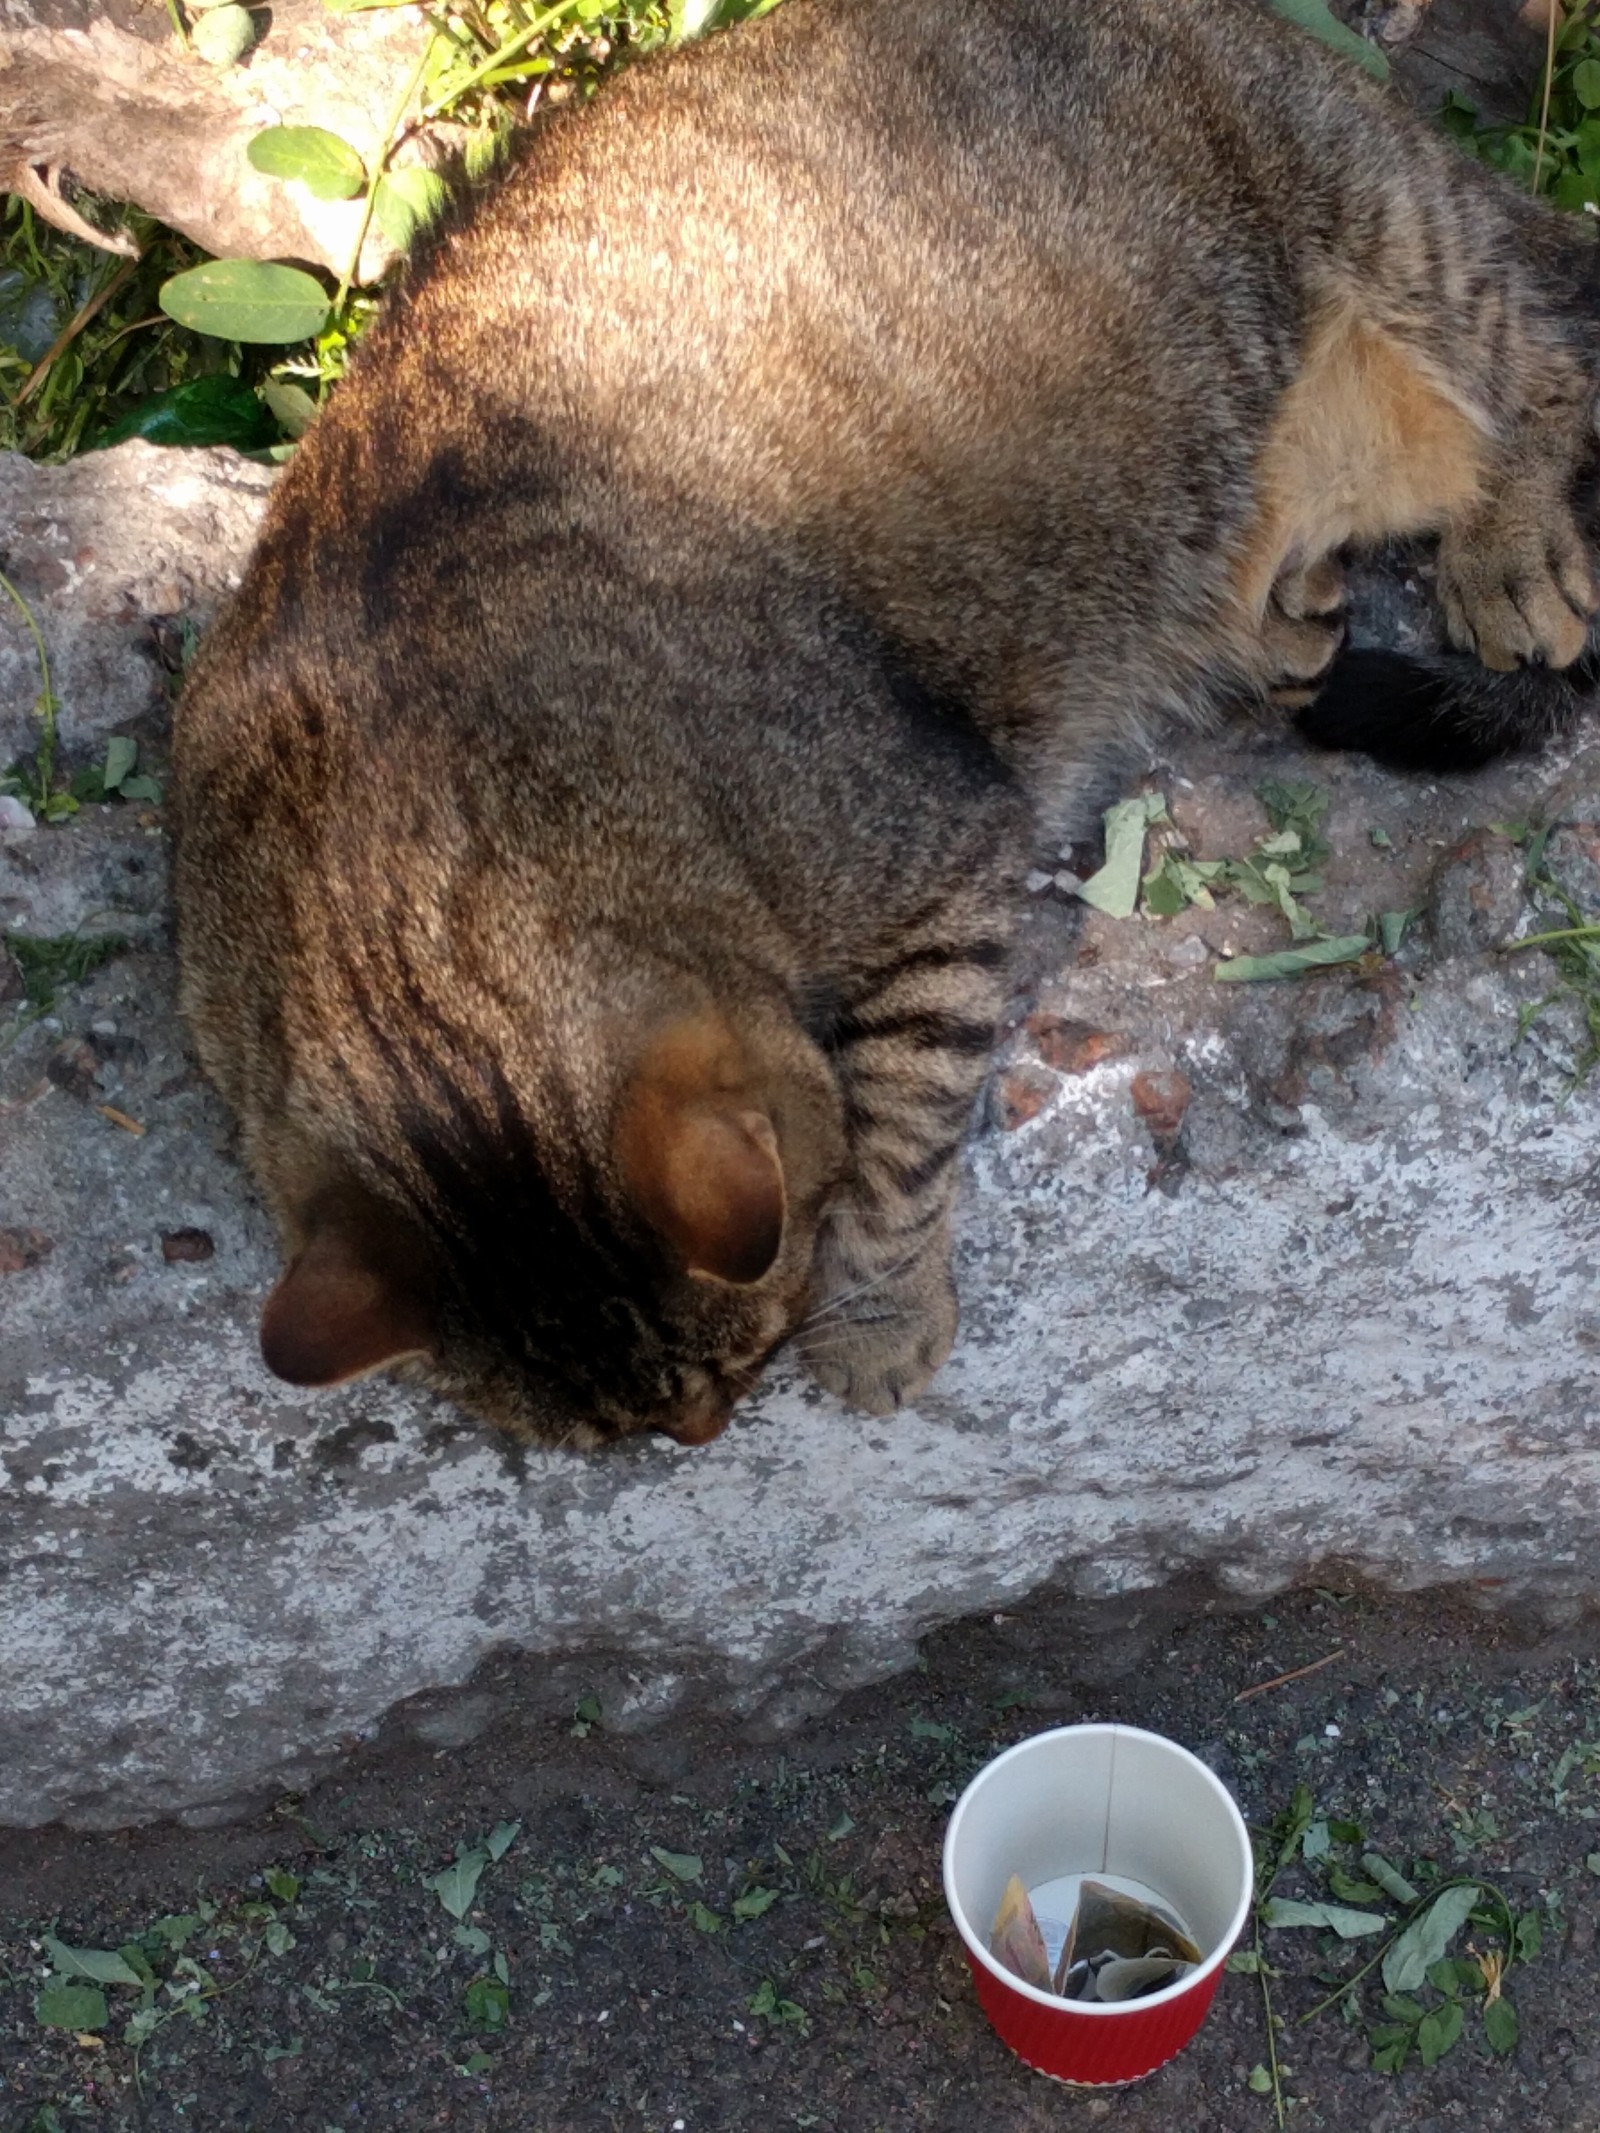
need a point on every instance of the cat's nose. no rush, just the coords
(704, 1416)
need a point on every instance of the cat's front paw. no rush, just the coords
(1518, 587)
(878, 1359)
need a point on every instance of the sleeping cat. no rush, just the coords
(601, 811)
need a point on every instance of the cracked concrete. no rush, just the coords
(1256, 1279)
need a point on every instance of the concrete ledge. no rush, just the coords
(1255, 1278)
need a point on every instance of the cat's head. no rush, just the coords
(574, 1263)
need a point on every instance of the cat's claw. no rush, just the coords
(891, 1360)
(1519, 590)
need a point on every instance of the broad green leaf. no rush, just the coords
(64, 2005)
(246, 300)
(1405, 1965)
(1392, 929)
(501, 1838)
(1292, 962)
(1115, 888)
(1259, 2081)
(1436, 2032)
(472, 1938)
(407, 201)
(292, 405)
(457, 1884)
(101, 1964)
(1586, 83)
(121, 755)
(1331, 1917)
(707, 1921)
(323, 162)
(487, 2002)
(278, 1938)
(284, 1885)
(1500, 2026)
(1317, 17)
(753, 1902)
(140, 788)
(212, 410)
(1388, 1879)
(223, 35)
(1350, 1888)
(682, 1866)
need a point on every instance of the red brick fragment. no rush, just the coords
(1073, 1047)
(1021, 1094)
(23, 1248)
(1161, 1100)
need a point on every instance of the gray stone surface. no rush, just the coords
(1256, 1280)
(104, 94)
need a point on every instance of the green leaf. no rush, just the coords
(291, 2050)
(1331, 1917)
(407, 201)
(1585, 78)
(1436, 2032)
(223, 35)
(472, 1938)
(246, 300)
(1293, 962)
(1392, 929)
(1259, 2081)
(100, 1964)
(1163, 893)
(211, 410)
(1529, 1936)
(488, 2003)
(475, 2062)
(457, 1884)
(1350, 1888)
(707, 1921)
(284, 1885)
(840, 1830)
(1500, 2026)
(1392, 1883)
(291, 406)
(63, 2005)
(501, 1838)
(1115, 888)
(502, 1969)
(682, 1866)
(140, 788)
(753, 1903)
(279, 1940)
(1389, 2058)
(1317, 17)
(121, 755)
(1405, 1964)
(323, 162)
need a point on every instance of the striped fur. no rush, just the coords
(601, 811)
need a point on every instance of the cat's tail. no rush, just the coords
(1445, 711)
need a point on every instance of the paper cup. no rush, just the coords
(1099, 1800)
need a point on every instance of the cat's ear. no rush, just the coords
(699, 1155)
(337, 1313)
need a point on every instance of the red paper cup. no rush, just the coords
(1099, 1800)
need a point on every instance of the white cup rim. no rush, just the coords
(1093, 2009)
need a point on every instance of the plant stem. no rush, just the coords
(1461, 1881)
(1554, 7)
(45, 758)
(513, 48)
(1540, 940)
(1272, 2037)
(375, 173)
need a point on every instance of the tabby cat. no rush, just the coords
(601, 811)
